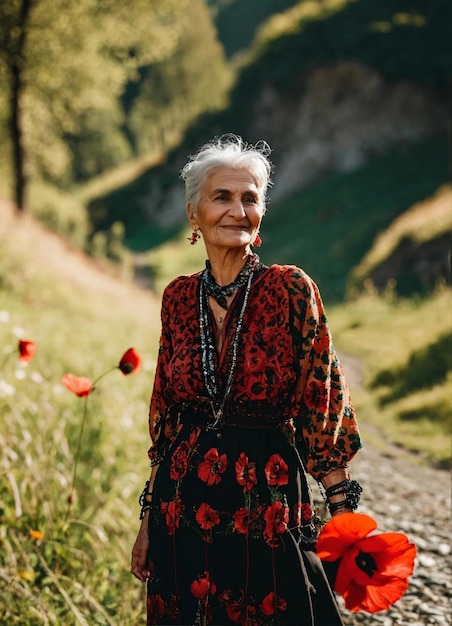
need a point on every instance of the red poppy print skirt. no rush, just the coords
(231, 534)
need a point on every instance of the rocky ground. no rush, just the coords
(402, 495)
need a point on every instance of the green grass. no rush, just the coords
(79, 572)
(404, 347)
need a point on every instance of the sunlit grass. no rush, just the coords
(78, 573)
(384, 332)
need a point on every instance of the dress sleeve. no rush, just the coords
(327, 432)
(160, 423)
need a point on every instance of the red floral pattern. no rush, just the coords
(245, 472)
(223, 497)
(207, 517)
(276, 471)
(276, 517)
(272, 604)
(286, 353)
(172, 512)
(212, 467)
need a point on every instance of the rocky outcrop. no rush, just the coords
(338, 117)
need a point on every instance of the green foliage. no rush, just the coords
(403, 40)
(60, 211)
(173, 92)
(78, 56)
(238, 20)
(329, 226)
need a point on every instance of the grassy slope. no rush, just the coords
(82, 320)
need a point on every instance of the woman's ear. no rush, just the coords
(191, 215)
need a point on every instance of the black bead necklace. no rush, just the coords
(218, 292)
(208, 350)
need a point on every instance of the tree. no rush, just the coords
(63, 58)
(192, 80)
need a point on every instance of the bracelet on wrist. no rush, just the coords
(352, 491)
(145, 500)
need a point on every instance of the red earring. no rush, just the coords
(194, 237)
(258, 241)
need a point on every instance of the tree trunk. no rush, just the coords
(17, 88)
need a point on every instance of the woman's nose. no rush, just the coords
(237, 209)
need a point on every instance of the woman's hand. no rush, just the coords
(139, 566)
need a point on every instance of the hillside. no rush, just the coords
(331, 86)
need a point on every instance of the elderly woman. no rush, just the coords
(248, 396)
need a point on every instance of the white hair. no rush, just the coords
(227, 151)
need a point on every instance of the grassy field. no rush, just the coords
(82, 320)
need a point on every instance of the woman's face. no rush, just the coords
(230, 209)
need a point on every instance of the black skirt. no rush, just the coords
(231, 533)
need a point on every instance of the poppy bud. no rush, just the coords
(26, 349)
(130, 362)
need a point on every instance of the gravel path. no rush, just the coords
(404, 496)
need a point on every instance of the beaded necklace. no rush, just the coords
(208, 350)
(220, 292)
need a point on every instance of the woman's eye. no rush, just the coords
(250, 200)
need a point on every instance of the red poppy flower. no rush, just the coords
(155, 607)
(79, 385)
(276, 518)
(26, 349)
(207, 517)
(240, 612)
(374, 569)
(316, 396)
(172, 512)
(242, 518)
(130, 362)
(202, 586)
(179, 462)
(272, 604)
(276, 470)
(245, 472)
(213, 465)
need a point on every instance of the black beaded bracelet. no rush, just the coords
(352, 490)
(143, 501)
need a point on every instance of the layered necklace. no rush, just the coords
(208, 287)
(218, 292)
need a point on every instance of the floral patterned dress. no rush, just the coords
(232, 534)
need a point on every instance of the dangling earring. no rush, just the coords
(258, 241)
(194, 237)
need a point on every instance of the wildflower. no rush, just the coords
(83, 387)
(26, 349)
(36, 535)
(130, 362)
(79, 385)
(374, 568)
(27, 575)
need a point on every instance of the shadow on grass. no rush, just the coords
(424, 369)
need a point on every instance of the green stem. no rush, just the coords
(79, 444)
